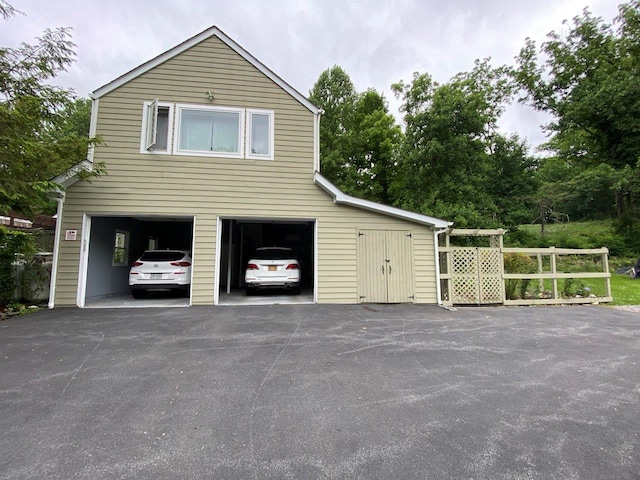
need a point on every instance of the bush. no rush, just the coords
(565, 240)
(35, 278)
(518, 263)
(13, 247)
(522, 238)
(573, 287)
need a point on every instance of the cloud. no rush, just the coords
(378, 42)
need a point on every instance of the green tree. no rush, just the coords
(75, 118)
(444, 160)
(37, 141)
(358, 137)
(454, 159)
(335, 94)
(511, 181)
(587, 79)
(374, 141)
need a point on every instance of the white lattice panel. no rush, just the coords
(490, 275)
(476, 275)
(464, 269)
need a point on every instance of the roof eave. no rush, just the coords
(343, 198)
(68, 178)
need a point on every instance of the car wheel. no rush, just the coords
(139, 293)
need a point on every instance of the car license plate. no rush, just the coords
(273, 268)
(156, 276)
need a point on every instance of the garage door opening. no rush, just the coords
(239, 240)
(115, 243)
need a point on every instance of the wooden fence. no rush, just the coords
(470, 281)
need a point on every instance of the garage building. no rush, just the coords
(207, 150)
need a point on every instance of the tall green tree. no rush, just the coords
(454, 158)
(587, 79)
(336, 95)
(36, 141)
(358, 137)
(375, 138)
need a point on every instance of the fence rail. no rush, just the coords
(454, 281)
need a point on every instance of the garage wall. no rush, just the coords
(104, 279)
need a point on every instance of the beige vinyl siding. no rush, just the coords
(337, 231)
(69, 257)
(210, 187)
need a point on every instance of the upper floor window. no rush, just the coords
(206, 130)
(210, 130)
(260, 134)
(157, 119)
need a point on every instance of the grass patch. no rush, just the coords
(555, 231)
(625, 290)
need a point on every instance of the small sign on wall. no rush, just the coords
(71, 235)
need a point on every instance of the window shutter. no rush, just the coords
(152, 124)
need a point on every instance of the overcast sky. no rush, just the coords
(378, 42)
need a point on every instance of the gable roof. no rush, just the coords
(340, 197)
(202, 36)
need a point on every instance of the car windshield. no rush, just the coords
(161, 256)
(273, 253)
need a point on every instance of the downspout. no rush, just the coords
(59, 198)
(437, 253)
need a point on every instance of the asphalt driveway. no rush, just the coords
(310, 391)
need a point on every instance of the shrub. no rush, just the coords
(13, 247)
(573, 287)
(565, 240)
(35, 278)
(522, 238)
(518, 263)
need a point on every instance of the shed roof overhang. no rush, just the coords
(343, 198)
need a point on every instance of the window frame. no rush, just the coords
(149, 127)
(205, 108)
(249, 136)
(152, 243)
(125, 248)
(148, 136)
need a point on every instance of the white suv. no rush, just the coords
(272, 267)
(160, 270)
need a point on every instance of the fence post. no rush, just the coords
(554, 286)
(450, 286)
(540, 270)
(605, 269)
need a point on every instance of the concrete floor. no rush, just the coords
(154, 299)
(275, 297)
(163, 299)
